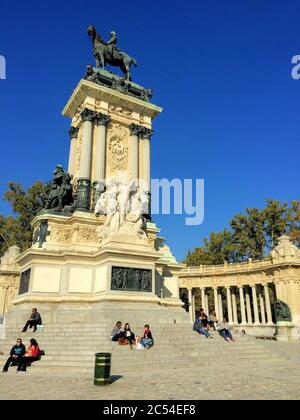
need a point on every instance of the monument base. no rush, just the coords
(287, 331)
(71, 283)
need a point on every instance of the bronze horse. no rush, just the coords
(108, 53)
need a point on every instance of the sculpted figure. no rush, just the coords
(108, 53)
(122, 204)
(61, 190)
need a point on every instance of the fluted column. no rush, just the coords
(234, 307)
(84, 181)
(73, 133)
(216, 299)
(135, 131)
(101, 121)
(190, 297)
(229, 306)
(242, 303)
(255, 306)
(268, 305)
(262, 306)
(248, 307)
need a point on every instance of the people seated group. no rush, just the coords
(203, 324)
(21, 357)
(125, 336)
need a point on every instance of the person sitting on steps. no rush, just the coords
(223, 329)
(117, 332)
(213, 321)
(35, 319)
(147, 339)
(32, 355)
(199, 327)
(204, 319)
(129, 335)
(16, 354)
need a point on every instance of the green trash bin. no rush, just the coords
(102, 369)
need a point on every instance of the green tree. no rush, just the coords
(16, 229)
(275, 221)
(252, 235)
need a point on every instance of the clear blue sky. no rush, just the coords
(220, 69)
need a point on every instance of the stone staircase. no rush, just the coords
(70, 349)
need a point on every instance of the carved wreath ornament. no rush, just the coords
(119, 153)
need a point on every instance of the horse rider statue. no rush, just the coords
(108, 53)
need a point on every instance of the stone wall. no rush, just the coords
(9, 279)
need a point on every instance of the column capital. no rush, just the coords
(135, 130)
(88, 115)
(102, 119)
(228, 287)
(73, 133)
(146, 133)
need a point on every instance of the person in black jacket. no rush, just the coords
(16, 355)
(129, 335)
(35, 319)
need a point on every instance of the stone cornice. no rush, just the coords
(88, 89)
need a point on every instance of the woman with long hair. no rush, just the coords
(32, 355)
(129, 335)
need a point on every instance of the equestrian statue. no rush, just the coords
(108, 53)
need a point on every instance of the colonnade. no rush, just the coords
(254, 304)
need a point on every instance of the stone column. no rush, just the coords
(203, 298)
(234, 308)
(262, 306)
(145, 173)
(100, 133)
(84, 181)
(73, 133)
(190, 295)
(144, 170)
(193, 307)
(216, 299)
(206, 305)
(268, 305)
(248, 307)
(221, 314)
(135, 131)
(2, 300)
(242, 302)
(255, 306)
(229, 305)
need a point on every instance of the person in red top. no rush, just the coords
(147, 340)
(32, 354)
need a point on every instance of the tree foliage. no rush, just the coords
(252, 234)
(25, 204)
